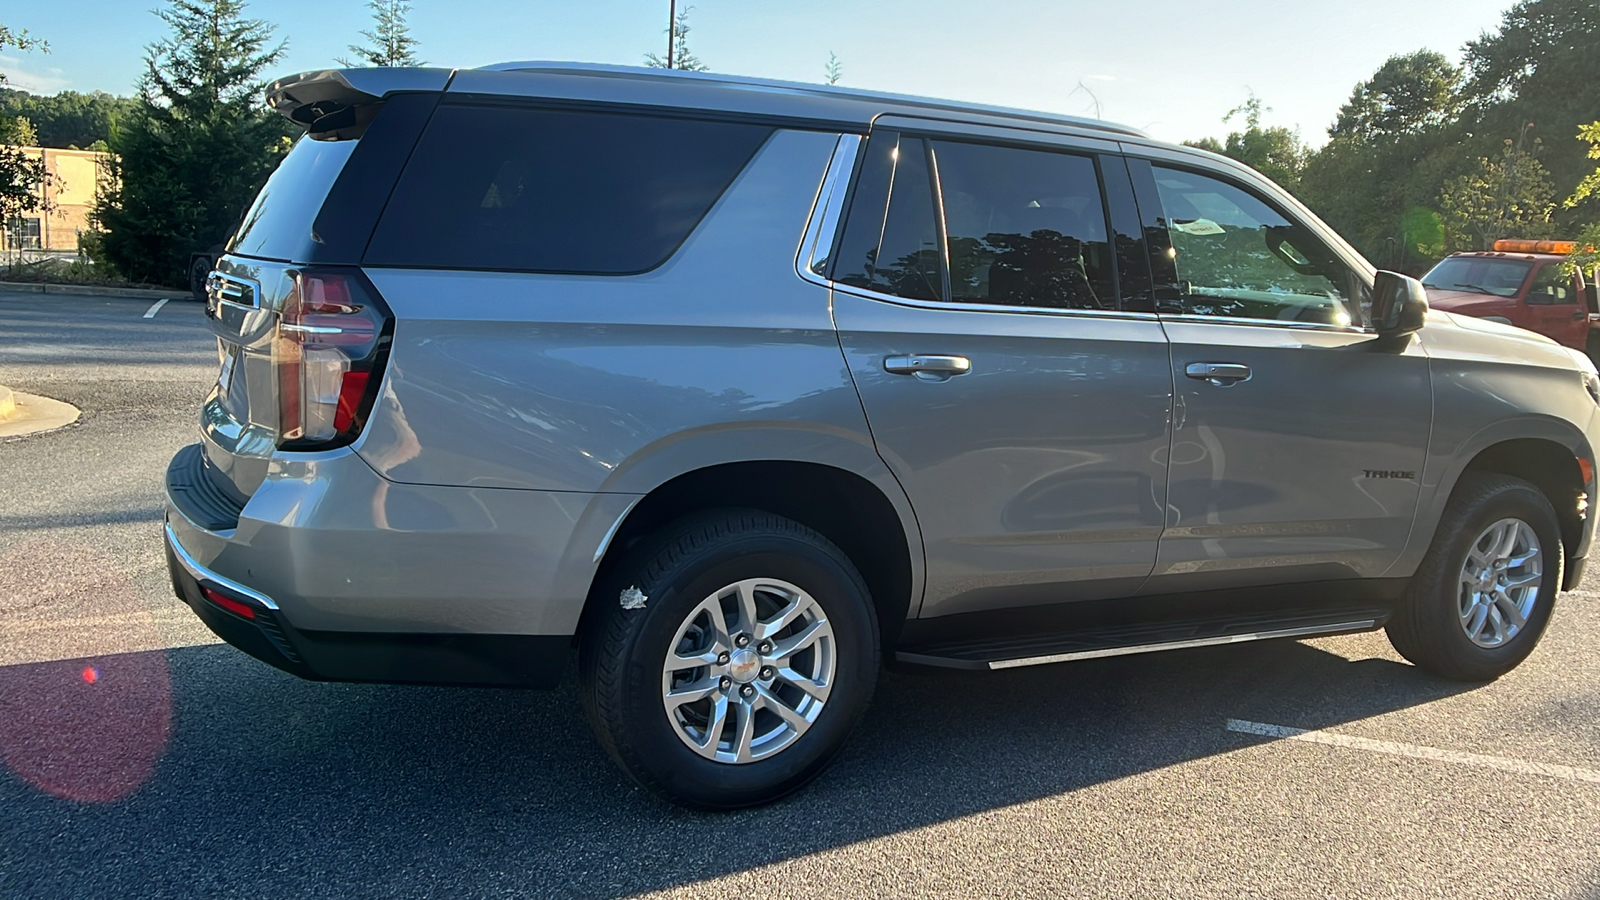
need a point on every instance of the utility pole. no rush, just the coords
(672, 28)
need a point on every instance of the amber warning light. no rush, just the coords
(1562, 247)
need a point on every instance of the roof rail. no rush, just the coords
(799, 88)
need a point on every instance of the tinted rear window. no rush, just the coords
(557, 191)
(278, 225)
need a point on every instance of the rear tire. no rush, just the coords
(765, 623)
(1484, 593)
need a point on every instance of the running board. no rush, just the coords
(1099, 643)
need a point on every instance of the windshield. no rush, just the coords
(1479, 275)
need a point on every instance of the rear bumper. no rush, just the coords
(252, 622)
(351, 577)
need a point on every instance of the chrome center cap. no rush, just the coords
(744, 666)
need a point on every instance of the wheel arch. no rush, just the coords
(1543, 451)
(858, 515)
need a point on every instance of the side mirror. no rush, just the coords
(1399, 304)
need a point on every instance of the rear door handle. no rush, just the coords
(1219, 374)
(1579, 316)
(928, 366)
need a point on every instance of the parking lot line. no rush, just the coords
(155, 308)
(1414, 751)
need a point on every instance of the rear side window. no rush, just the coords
(976, 223)
(1026, 227)
(557, 191)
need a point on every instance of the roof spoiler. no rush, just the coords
(337, 104)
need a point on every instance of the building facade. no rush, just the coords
(68, 191)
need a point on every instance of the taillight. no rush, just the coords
(328, 356)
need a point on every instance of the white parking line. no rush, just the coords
(154, 308)
(1414, 751)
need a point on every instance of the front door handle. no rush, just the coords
(1579, 316)
(1219, 374)
(928, 366)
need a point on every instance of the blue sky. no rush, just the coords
(1171, 67)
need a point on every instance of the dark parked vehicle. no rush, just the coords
(741, 387)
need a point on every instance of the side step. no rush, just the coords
(1096, 643)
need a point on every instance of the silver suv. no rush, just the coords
(742, 387)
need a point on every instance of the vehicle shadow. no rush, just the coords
(265, 785)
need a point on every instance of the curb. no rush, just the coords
(24, 414)
(91, 290)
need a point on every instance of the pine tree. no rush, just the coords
(392, 43)
(199, 146)
(834, 69)
(681, 57)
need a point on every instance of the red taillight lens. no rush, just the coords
(328, 352)
(236, 607)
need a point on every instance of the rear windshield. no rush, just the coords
(278, 225)
(1479, 275)
(557, 191)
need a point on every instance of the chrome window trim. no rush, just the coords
(823, 225)
(956, 306)
(201, 573)
(1196, 319)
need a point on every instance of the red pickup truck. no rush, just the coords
(1520, 283)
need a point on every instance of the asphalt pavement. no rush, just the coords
(141, 758)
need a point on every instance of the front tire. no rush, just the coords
(749, 655)
(1484, 593)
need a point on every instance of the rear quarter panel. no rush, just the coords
(618, 384)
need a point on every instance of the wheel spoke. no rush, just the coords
(747, 607)
(1474, 620)
(1509, 609)
(817, 690)
(744, 730)
(689, 693)
(785, 712)
(1506, 539)
(786, 616)
(1496, 624)
(1516, 581)
(799, 641)
(714, 726)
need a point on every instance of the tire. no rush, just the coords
(688, 753)
(1431, 627)
(199, 269)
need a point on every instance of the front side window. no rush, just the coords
(1550, 287)
(1236, 256)
(1479, 275)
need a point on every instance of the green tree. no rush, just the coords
(199, 147)
(1276, 152)
(1409, 94)
(1508, 197)
(834, 70)
(1587, 253)
(21, 175)
(1394, 145)
(1541, 65)
(391, 40)
(681, 57)
(68, 119)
